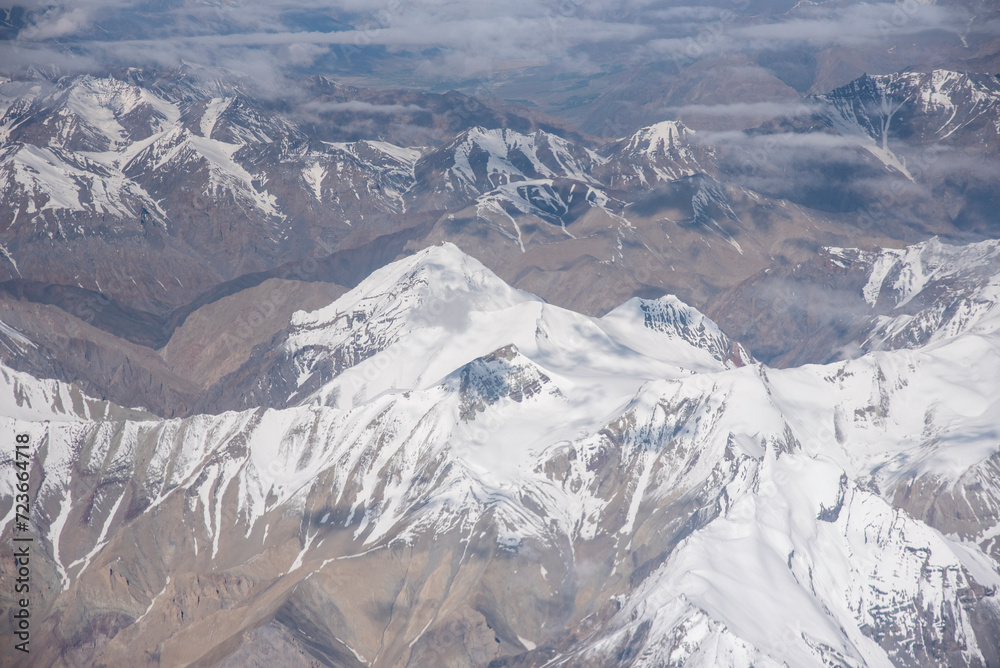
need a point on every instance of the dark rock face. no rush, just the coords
(501, 374)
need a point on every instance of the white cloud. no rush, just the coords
(360, 107)
(56, 23)
(744, 109)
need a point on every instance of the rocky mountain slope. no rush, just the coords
(855, 301)
(458, 473)
(134, 200)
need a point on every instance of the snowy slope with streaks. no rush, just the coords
(927, 292)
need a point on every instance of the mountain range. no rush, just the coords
(457, 472)
(382, 377)
(134, 201)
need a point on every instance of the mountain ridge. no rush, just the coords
(662, 461)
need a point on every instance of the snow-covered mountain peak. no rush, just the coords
(378, 152)
(665, 138)
(422, 285)
(361, 176)
(916, 107)
(105, 113)
(938, 88)
(179, 149)
(927, 292)
(444, 290)
(500, 141)
(51, 181)
(506, 144)
(659, 153)
(673, 320)
(900, 275)
(115, 95)
(935, 89)
(410, 310)
(941, 88)
(416, 321)
(940, 293)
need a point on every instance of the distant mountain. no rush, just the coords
(918, 108)
(658, 154)
(163, 177)
(135, 200)
(915, 150)
(852, 301)
(480, 159)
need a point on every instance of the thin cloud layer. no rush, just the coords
(443, 39)
(360, 107)
(743, 110)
